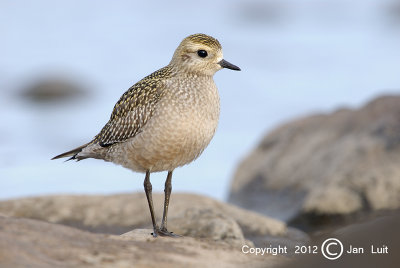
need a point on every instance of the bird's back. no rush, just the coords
(134, 109)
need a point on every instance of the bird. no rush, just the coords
(165, 120)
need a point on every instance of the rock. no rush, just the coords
(189, 215)
(380, 232)
(342, 163)
(32, 243)
(52, 89)
(207, 223)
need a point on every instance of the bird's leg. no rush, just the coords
(148, 188)
(167, 193)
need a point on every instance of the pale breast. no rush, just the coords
(180, 129)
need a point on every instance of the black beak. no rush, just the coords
(226, 64)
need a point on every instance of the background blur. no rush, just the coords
(297, 58)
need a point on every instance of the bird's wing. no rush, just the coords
(133, 110)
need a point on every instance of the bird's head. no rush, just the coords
(200, 54)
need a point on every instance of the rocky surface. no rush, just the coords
(52, 89)
(32, 243)
(213, 233)
(343, 163)
(189, 215)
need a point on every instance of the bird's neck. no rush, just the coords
(190, 73)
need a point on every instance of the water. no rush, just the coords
(297, 57)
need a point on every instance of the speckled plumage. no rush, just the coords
(170, 129)
(166, 119)
(133, 109)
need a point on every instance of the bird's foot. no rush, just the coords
(154, 233)
(164, 232)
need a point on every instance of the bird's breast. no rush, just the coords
(180, 129)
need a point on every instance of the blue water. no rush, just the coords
(297, 58)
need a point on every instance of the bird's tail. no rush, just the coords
(73, 153)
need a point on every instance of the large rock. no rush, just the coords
(328, 164)
(32, 243)
(53, 89)
(189, 215)
(381, 232)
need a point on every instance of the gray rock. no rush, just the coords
(380, 232)
(52, 89)
(32, 243)
(189, 215)
(335, 164)
(207, 223)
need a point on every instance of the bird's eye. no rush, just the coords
(202, 53)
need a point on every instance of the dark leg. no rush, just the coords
(167, 192)
(148, 188)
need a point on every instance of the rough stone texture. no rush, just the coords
(207, 223)
(32, 243)
(328, 164)
(189, 215)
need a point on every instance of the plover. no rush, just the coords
(165, 120)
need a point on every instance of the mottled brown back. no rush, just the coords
(134, 109)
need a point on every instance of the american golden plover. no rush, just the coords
(165, 120)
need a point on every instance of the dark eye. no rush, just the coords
(202, 53)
